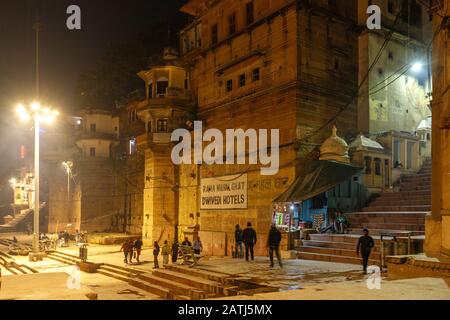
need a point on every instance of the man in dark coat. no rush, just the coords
(365, 245)
(238, 237)
(273, 243)
(249, 238)
(175, 247)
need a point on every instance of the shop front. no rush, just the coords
(311, 201)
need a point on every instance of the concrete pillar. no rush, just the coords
(437, 225)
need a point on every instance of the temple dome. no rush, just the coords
(335, 149)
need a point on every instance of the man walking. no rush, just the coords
(249, 238)
(156, 250)
(238, 234)
(127, 249)
(166, 249)
(273, 243)
(138, 246)
(365, 245)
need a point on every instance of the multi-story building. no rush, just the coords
(265, 64)
(438, 223)
(395, 95)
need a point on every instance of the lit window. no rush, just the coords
(162, 125)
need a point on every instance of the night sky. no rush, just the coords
(65, 54)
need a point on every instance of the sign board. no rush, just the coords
(222, 193)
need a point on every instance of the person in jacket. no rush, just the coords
(156, 250)
(138, 247)
(198, 246)
(186, 242)
(273, 244)
(238, 237)
(127, 248)
(249, 239)
(166, 249)
(175, 247)
(365, 245)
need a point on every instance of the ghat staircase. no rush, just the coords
(175, 282)
(397, 213)
(19, 221)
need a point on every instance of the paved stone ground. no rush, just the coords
(299, 279)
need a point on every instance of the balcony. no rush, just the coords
(88, 135)
(154, 138)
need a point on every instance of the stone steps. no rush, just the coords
(426, 208)
(341, 238)
(335, 252)
(389, 226)
(177, 288)
(57, 256)
(378, 232)
(400, 202)
(333, 258)
(194, 281)
(411, 195)
(336, 245)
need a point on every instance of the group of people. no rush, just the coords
(60, 239)
(243, 238)
(247, 238)
(132, 249)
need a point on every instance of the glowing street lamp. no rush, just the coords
(39, 114)
(13, 182)
(417, 67)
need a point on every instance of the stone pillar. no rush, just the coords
(160, 212)
(437, 228)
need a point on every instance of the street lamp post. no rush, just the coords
(39, 114)
(68, 166)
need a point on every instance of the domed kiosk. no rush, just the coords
(335, 149)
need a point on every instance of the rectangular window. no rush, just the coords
(229, 85)
(368, 165)
(256, 75)
(93, 127)
(232, 24)
(378, 167)
(92, 152)
(242, 80)
(162, 125)
(214, 34)
(161, 87)
(250, 12)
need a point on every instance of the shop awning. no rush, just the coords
(319, 178)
